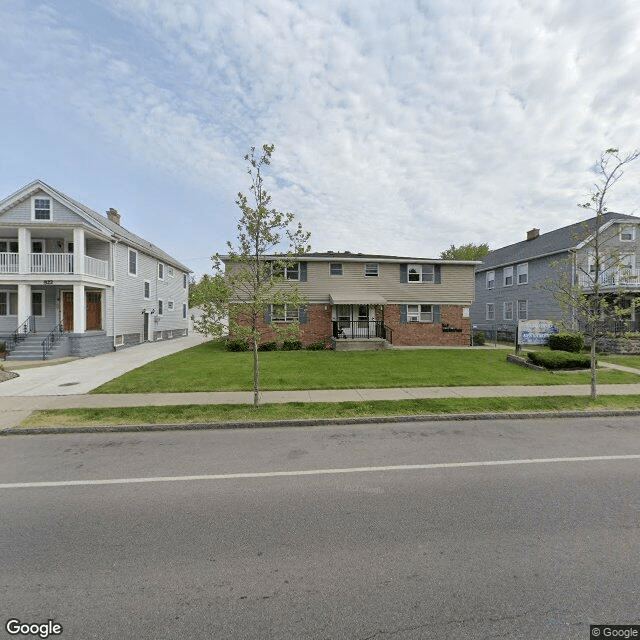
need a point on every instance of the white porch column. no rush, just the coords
(24, 249)
(79, 308)
(24, 302)
(78, 250)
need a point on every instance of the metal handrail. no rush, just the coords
(27, 327)
(359, 329)
(51, 339)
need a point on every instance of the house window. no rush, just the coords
(160, 271)
(522, 310)
(160, 308)
(283, 313)
(8, 246)
(491, 279)
(523, 273)
(627, 233)
(147, 289)
(37, 303)
(41, 209)
(335, 269)
(184, 280)
(371, 269)
(184, 311)
(507, 276)
(507, 311)
(133, 262)
(490, 313)
(8, 303)
(288, 272)
(169, 305)
(170, 272)
(420, 273)
(419, 313)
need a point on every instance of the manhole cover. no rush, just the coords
(68, 384)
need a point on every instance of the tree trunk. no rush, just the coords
(256, 374)
(594, 370)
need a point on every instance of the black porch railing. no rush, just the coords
(51, 339)
(360, 329)
(27, 327)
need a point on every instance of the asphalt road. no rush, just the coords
(307, 532)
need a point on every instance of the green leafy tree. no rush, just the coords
(253, 276)
(467, 251)
(586, 287)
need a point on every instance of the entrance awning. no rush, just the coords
(358, 297)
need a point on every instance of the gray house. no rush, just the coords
(508, 282)
(75, 282)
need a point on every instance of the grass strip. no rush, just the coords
(212, 414)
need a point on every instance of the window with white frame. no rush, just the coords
(507, 276)
(288, 272)
(283, 313)
(170, 272)
(420, 273)
(419, 313)
(507, 310)
(169, 305)
(491, 279)
(371, 269)
(523, 273)
(184, 280)
(160, 307)
(160, 271)
(41, 209)
(627, 232)
(335, 269)
(133, 262)
(8, 246)
(147, 289)
(522, 310)
(184, 311)
(8, 303)
(37, 303)
(490, 312)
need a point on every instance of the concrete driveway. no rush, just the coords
(85, 374)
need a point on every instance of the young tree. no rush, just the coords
(254, 276)
(467, 251)
(586, 288)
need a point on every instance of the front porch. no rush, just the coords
(359, 324)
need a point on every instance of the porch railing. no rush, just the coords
(27, 327)
(360, 329)
(9, 263)
(51, 262)
(622, 278)
(95, 267)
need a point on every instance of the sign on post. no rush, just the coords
(535, 332)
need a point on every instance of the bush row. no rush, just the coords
(560, 359)
(572, 342)
(287, 345)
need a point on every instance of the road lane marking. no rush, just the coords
(314, 472)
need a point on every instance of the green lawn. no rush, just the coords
(625, 361)
(208, 367)
(212, 414)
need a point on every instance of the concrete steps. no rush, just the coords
(31, 348)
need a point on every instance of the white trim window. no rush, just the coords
(184, 280)
(491, 279)
(169, 305)
(507, 276)
(41, 208)
(419, 313)
(335, 269)
(288, 272)
(133, 262)
(371, 269)
(523, 273)
(170, 272)
(37, 304)
(420, 273)
(283, 313)
(627, 233)
(490, 311)
(507, 310)
(523, 310)
(147, 290)
(160, 271)
(8, 303)
(184, 311)
(8, 246)
(160, 308)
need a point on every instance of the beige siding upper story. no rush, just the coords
(457, 283)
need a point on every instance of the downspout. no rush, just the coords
(113, 291)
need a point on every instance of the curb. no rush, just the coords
(319, 422)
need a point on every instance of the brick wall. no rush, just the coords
(426, 333)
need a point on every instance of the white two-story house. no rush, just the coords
(79, 282)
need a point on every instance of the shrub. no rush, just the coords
(316, 346)
(291, 345)
(560, 359)
(268, 346)
(478, 337)
(572, 342)
(237, 345)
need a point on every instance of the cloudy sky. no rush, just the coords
(400, 127)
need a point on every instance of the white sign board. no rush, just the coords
(535, 331)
